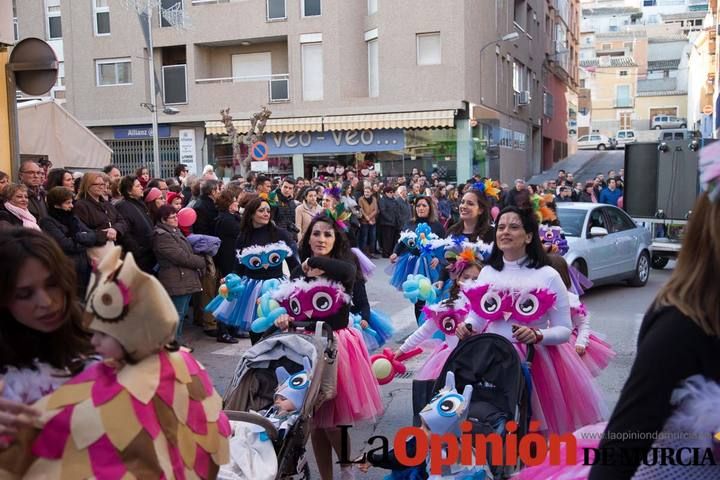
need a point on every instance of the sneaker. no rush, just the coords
(227, 338)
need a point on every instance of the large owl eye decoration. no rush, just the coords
(254, 262)
(322, 301)
(275, 259)
(411, 242)
(110, 301)
(299, 381)
(531, 305)
(491, 302)
(448, 325)
(295, 306)
(448, 405)
(549, 234)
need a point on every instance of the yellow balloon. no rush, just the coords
(382, 368)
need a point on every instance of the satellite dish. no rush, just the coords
(35, 66)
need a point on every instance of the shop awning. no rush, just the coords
(430, 119)
(273, 125)
(47, 129)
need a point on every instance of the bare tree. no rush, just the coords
(253, 135)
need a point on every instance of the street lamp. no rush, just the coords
(509, 37)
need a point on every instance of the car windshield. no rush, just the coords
(571, 221)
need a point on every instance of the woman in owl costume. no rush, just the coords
(261, 249)
(321, 291)
(520, 296)
(146, 412)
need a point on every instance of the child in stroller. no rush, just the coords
(254, 439)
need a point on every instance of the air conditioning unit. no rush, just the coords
(523, 98)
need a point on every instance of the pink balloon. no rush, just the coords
(494, 211)
(621, 202)
(186, 217)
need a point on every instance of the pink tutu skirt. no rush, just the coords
(587, 437)
(598, 353)
(358, 393)
(564, 394)
(435, 362)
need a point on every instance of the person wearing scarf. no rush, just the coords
(15, 210)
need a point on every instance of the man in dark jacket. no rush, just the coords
(283, 205)
(205, 208)
(404, 208)
(139, 235)
(388, 221)
(511, 199)
(31, 177)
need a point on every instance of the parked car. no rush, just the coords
(677, 134)
(606, 245)
(624, 137)
(594, 141)
(659, 122)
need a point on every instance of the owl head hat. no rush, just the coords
(129, 305)
(520, 301)
(310, 300)
(259, 257)
(448, 408)
(294, 387)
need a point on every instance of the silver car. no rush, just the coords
(606, 245)
(659, 122)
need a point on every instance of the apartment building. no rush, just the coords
(402, 84)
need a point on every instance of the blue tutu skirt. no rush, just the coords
(408, 264)
(379, 329)
(240, 311)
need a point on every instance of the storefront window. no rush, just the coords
(225, 167)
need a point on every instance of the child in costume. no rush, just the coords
(442, 416)
(553, 239)
(595, 352)
(418, 253)
(144, 412)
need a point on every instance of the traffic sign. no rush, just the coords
(259, 151)
(708, 109)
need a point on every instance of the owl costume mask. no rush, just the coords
(129, 305)
(447, 315)
(312, 299)
(448, 408)
(294, 387)
(263, 257)
(517, 302)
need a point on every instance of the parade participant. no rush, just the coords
(120, 417)
(14, 212)
(423, 212)
(519, 296)
(227, 228)
(595, 352)
(42, 342)
(474, 220)
(261, 249)
(328, 261)
(679, 338)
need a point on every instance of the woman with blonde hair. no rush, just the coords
(96, 212)
(679, 338)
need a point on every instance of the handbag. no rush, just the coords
(96, 254)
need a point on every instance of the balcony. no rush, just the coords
(277, 86)
(657, 85)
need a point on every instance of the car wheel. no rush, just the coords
(579, 265)
(601, 146)
(683, 125)
(658, 263)
(642, 271)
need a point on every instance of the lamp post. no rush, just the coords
(153, 95)
(505, 38)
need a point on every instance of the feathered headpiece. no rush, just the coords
(461, 253)
(487, 188)
(540, 206)
(710, 170)
(340, 215)
(334, 191)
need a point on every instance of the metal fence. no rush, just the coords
(129, 155)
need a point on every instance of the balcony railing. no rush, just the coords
(624, 102)
(278, 84)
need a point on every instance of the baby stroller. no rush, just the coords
(501, 387)
(253, 387)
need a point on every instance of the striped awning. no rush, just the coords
(273, 125)
(431, 119)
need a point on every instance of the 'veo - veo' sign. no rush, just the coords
(259, 151)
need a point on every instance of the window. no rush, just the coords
(606, 46)
(623, 73)
(618, 220)
(312, 71)
(517, 76)
(613, 27)
(101, 17)
(373, 68)
(429, 49)
(174, 81)
(372, 7)
(519, 13)
(548, 104)
(276, 10)
(54, 23)
(16, 33)
(61, 75)
(622, 96)
(171, 5)
(114, 71)
(311, 8)
(251, 67)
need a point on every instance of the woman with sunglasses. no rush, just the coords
(261, 248)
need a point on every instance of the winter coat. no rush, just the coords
(138, 238)
(37, 205)
(180, 269)
(74, 238)
(7, 218)
(227, 228)
(388, 212)
(369, 209)
(303, 217)
(283, 212)
(100, 216)
(207, 212)
(405, 210)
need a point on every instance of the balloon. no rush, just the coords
(223, 291)
(186, 217)
(494, 211)
(268, 310)
(386, 365)
(382, 368)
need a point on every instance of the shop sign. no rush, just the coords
(187, 149)
(348, 141)
(140, 131)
